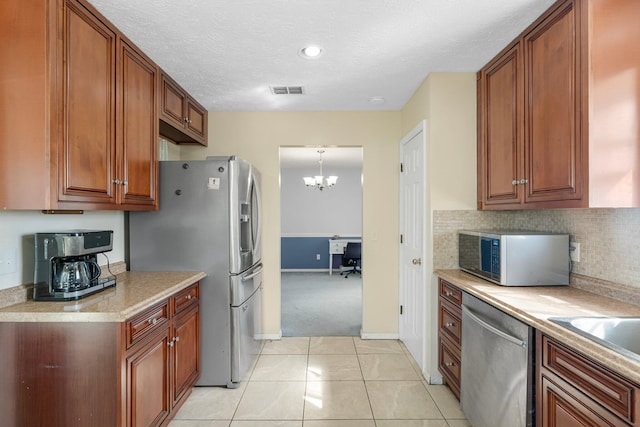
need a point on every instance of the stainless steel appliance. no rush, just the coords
(497, 367)
(516, 258)
(66, 266)
(209, 220)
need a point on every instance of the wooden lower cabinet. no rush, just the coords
(573, 390)
(148, 372)
(186, 351)
(450, 334)
(101, 374)
(164, 363)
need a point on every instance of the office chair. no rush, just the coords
(351, 258)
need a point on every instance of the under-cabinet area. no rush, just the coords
(572, 380)
(127, 356)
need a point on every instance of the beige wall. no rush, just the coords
(447, 103)
(257, 136)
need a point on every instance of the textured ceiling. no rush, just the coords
(228, 53)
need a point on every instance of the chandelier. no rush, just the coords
(318, 181)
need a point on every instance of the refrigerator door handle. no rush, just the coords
(252, 275)
(257, 189)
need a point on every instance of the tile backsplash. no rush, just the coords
(609, 238)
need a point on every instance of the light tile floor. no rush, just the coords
(326, 382)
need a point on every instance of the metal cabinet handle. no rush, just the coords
(449, 364)
(170, 343)
(448, 293)
(116, 181)
(188, 296)
(448, 324)
(176, 339)
(152, 321)
(124, 182)
(416, 261)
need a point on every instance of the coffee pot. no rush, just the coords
(75, 274)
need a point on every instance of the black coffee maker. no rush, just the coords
(66, 266)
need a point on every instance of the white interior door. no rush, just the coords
(412, 252)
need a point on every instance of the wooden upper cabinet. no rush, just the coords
(138, 130)
(530, 148)
(571, 122)
(501, 159)
(91, 101)
(553, 93)
(87, 154)
(182, 119)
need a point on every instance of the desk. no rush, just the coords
(336, 246)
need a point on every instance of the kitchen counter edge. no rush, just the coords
(133, 293)
(536, 304)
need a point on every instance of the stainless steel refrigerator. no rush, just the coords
(209, 220)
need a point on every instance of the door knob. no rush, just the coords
(417, 261)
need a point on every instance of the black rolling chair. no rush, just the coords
(351, 258)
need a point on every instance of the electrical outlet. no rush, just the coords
(7, 260)
(318, 257)
(574, 251)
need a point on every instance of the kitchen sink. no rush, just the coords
(621, 334)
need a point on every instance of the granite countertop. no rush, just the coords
(134, 291)
(535, 305)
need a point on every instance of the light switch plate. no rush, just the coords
(7, 260)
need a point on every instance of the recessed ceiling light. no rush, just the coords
(310, 52)
(377, 100)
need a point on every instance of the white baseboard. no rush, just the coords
(433, 379)
(369, 336)
(269, 336)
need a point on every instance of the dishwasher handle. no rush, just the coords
(476, 318)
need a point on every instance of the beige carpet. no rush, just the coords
(316, 304)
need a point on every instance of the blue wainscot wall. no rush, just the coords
(299, 253)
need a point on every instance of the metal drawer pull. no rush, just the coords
(448, 324)
(449, 364)
(448, 294)
(188, 296)
(152, 321)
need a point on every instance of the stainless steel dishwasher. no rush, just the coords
(497, 367)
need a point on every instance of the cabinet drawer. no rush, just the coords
(449, 363)
(186, 297)
(450, 292)
(146, 322)
(606, 388)
(449, 322)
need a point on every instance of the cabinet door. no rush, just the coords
(196, 121)
(148, 382)
(138, 130)
(186, 367)
(562, 409)
(501, 148)
(552, 97)
(87, 156)
(172, 103)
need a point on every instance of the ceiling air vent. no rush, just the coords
(287, 90)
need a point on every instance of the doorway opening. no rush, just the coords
(317, 221)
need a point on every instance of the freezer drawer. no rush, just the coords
(246, 328)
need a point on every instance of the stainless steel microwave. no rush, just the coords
(516, 258)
